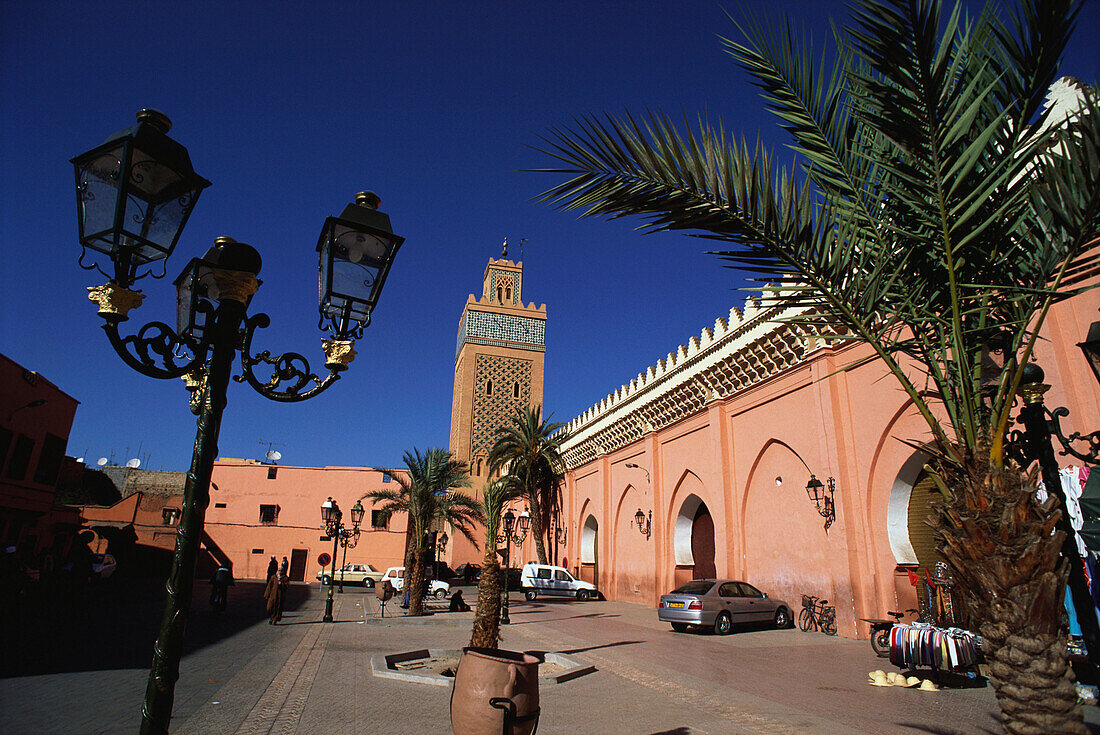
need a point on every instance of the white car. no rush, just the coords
(363, 574)
(543, 579)
(396, 577)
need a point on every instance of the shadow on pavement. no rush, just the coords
(115, 625)
(603, 645)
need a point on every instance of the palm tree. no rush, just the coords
(930, 218)
(529, 449)
(486, 630)
(426, 493)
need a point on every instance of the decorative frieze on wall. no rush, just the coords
(501, 385)
(501, 330)
(737, 353)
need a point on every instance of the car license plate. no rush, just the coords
(675, 604)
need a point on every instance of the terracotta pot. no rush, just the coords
(495, 692)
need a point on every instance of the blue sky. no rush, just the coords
(289, 109)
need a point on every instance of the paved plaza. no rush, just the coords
(241, 675)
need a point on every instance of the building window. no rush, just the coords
(219, 505)
(386, 477)
(20, 457)
(49, 460)
(488, 387)
(5, 444)
(377, 520)
(171, 516)
(508, 293)
(515, 390)
(269, 514)
(271, 471)
(257, 551)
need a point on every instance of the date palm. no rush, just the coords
(486, 630)
(934, 214)
(426, 492)
(529, 450)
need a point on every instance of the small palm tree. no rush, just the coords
(426, 493)
(937, 214)
(529, 450)
(486, 630)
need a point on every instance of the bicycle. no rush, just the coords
(817, 614)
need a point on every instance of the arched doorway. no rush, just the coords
(693, 541)
(702, 544)
(589, 569)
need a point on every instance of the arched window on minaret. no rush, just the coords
(508, 294)
(500, 294)
(515, 389)
(488, 387)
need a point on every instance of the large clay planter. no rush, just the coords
(495, 693)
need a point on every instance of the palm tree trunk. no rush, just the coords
(486, 630)
(1004, 552)
(415, 581)
(536, 527)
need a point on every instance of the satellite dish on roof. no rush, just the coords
(80, 459)
(274, 455)
(134, 463)
(101, 461)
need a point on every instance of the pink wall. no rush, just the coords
(748, 458)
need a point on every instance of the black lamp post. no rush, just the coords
(134, 196)
(333, 519)
(509, 521)
(1033, 444)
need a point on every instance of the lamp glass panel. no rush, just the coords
(524, 521)
(151, 227)
(97, 183)
(357, 512)
(195, 285)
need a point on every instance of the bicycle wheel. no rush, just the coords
(828, 621)
(805, 620)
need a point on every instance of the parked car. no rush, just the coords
(103, 565)
(396, 576)
(473, 570)
(543, 579)
(719, 604)
(363, 574)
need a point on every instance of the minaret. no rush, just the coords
(498, 367)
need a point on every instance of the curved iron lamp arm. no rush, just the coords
(1091, 455)
(156, 350)
(291, 379)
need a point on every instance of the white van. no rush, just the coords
(543, 579)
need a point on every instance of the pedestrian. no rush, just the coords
(275, 593)
(272, 567)
(284, 568)
(219, 588)
(457, 603)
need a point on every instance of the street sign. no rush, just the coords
(324, 559)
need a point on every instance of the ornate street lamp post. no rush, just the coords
(333, 518)
(134, 196)
(508, 520)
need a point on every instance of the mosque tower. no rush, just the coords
(498, 368)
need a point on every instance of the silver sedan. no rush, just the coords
(719, 604)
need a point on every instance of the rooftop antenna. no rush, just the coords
(272, 455)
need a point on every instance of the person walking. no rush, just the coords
(272, 567)
(284, 568)
(275, 593)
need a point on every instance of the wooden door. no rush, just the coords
(298, 559)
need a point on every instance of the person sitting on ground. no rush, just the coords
(457, 603)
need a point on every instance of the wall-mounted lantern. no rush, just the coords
(822, 497)
(644, 523)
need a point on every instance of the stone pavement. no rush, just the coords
(308, 677)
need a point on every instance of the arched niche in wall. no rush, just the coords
(897, 513)
(686, 501)
(589, 534)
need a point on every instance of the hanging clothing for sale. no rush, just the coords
(920, 645)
